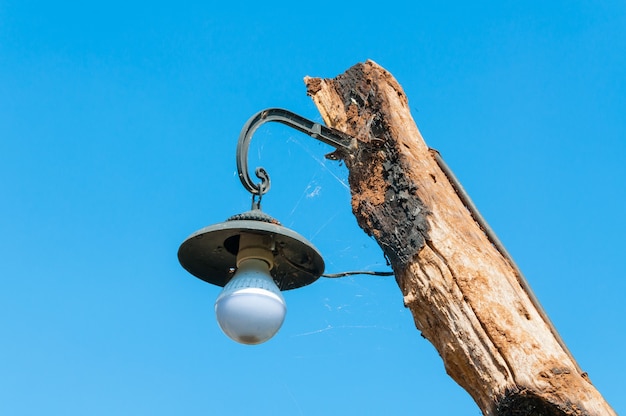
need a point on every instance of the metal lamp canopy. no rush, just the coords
(210, 254)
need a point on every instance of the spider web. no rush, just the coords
(311, 195)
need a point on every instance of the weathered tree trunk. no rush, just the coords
(465, 296)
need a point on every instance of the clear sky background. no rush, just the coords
(118, 127)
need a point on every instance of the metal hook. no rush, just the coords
(322, 133)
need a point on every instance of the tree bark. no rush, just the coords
(465, 295)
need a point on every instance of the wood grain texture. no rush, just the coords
(465, 297)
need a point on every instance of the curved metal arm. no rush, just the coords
(322, 133)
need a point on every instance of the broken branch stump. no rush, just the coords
(466, 297)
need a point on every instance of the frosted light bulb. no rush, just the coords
(251, 309)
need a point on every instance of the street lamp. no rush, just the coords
(251, 255)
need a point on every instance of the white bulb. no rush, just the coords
(251, 309)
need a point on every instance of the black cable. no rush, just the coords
(342, 274)
(332, 275)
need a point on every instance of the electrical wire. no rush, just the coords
(343, 274)
(332, 275)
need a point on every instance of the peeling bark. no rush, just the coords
(464, 295)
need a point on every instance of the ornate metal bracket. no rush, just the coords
(322, 133)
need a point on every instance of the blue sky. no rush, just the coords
(118, 127)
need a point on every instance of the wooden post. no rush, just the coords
(466, 297)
